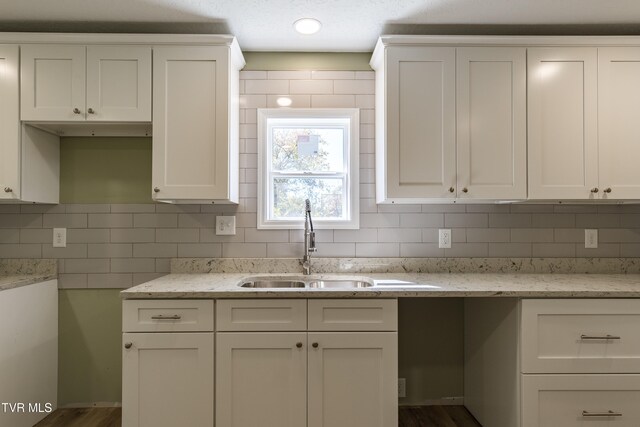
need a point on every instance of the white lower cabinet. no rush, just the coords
(167, 379)
(300, 378)
(580, 400)
(552, 362)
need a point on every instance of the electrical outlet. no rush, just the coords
(402, 387)
(59, 237)
(591, 239)
(225, 225)
(444, 238)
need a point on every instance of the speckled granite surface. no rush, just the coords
(395, 285)
(407, 265)
(15, 273)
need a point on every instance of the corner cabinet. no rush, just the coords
(196, 123)
(450, 123)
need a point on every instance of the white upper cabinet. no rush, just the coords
(491, 122)
(619, 122)
(53, 83)
(450, 123)
(119, 83)
(78, 83)
(415, 115)
(9, 124)
(196, 123)
(562, 123)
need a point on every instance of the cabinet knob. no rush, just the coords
(76, 111)
(91, 111)
(451, 189)
(8, 190)
(465, 190)
(607, 190)
(156, 190)
(299, 345)
(128, 345)
(314, 345)
(595, 190)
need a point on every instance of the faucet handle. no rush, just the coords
(312, 241)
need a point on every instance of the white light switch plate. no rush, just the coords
(590, 239)
(225, 225)
(402, 387)
(59, 237)
(444, 238)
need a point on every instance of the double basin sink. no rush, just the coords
(298, 282)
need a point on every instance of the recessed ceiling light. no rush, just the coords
(307, 26)
(284, 101)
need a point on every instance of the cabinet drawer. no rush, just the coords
(167, 315)
(580, 400)
(353, 315)
(262, 315)
(580, 336)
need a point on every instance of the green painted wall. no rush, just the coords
(90, 329)
(105, 170)
(273, 61)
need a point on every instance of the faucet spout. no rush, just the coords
(309, 239)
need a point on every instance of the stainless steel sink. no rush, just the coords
(273, 284)
(339, 284)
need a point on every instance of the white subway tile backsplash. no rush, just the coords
(311, 87)
(118, 220)
(333, 101)
(290, 75)
(333, 75)
(266, 86)
(155, 250)
(297, 101)
(356, 87)
(199, 250)
(156, 220)
(377, 250)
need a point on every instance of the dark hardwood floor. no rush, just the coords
(410, 416)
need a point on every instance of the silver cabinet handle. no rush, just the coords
(76, 111)
(128, 345)
(601, 414)
(8, 190)
(91, 111)
(163, 317)
(599, 337)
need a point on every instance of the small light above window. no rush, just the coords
(284, 101)
(307, 26)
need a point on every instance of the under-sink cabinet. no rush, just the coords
(552, 362)
(85, 83)
(278, 362)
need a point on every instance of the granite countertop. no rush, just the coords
(13, 281)
(394, 285)
(15, 273)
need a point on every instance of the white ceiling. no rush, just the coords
(348, 25)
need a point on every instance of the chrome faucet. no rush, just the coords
(309, 238)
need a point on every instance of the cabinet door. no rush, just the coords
(492, 123)
(52, 83)
(619, 122)
(421, 135)
(563, 145)
(9, 124)
(190, 123)
(580, 400)
(119, 83)
(261, 379)
(353, 379)
(167, 380)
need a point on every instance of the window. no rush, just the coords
(308, 154)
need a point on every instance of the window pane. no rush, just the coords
(307, 149)
(325, 195)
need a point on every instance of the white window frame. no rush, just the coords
(352, 160)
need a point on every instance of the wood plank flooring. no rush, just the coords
(410, 416)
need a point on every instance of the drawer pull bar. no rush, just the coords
(599, 337)
(601, 414)
(161, 317)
